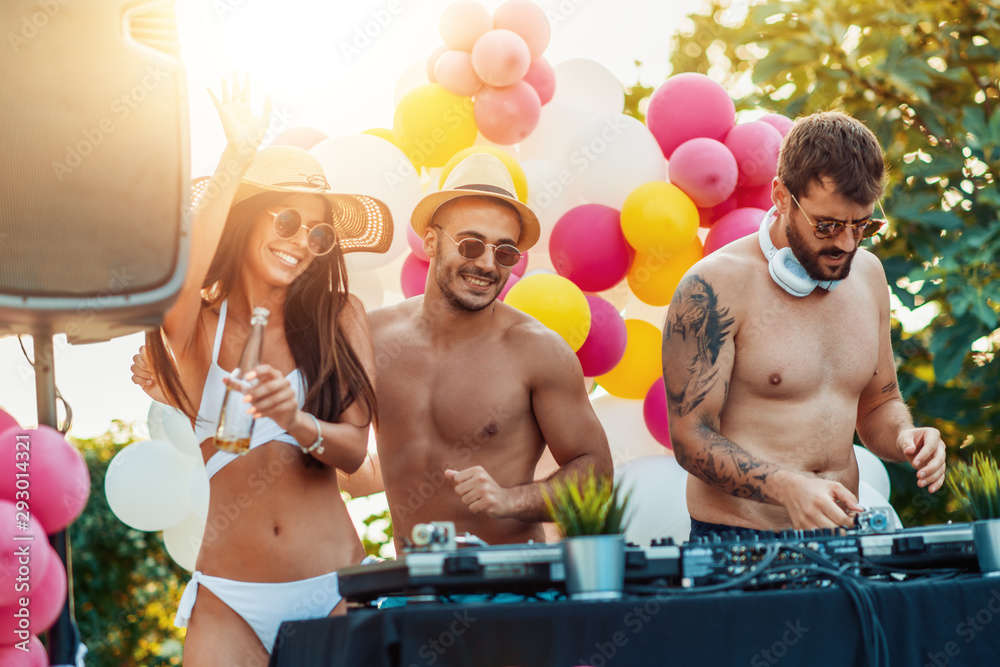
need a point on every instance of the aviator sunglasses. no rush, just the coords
(320, 239)
(505, 254)
(861, 229)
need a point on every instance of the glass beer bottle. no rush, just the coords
(235, 423)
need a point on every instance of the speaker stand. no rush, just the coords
(63, 637)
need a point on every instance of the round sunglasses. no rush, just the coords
(504, 254)
(861, 229)
(320, 239)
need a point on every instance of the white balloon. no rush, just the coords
(183, 540)
(412, 77)
(590, 84)
(147, 485)
(367, 286)
(364, 164)
(869, 497)
(658, 503)
(557, 123)
(611, 156)
(626, 429)
(872, 470)
(551, 193)
(168, 423)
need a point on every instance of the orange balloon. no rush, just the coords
(653, 278)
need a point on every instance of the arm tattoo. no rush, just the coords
(697, 326)
(727, 466)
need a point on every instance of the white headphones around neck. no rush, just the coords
(783, 266)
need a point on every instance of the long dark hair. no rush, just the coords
(332, 370)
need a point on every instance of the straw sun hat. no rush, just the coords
(479, 175)
(363, 223)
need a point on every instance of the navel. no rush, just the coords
(775, 379)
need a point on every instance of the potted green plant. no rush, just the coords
(591, 513)
(977, 488)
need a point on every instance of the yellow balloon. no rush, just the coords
(640, 367)
(431, 124)
(658, 217)
(653, 278)
(555, 302)
(516, 173)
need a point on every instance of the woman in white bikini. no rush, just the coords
(267, 231)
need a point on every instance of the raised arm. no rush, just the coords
(244, 132)
(698, 357)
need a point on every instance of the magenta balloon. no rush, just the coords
(511, 281)
(708, 216)
(45, 599)
(413, 275)
(501, 58)
(705, 170)
(60, 483)
(300, 137)
(22, 524)
(455, 74)
(606, 341)
(654, 411)
(732, 226)
(521, 266)
(542, 78)
(416, 244)
(755, 147)
(781, 123)
(688, 106)
(588, 247)
(754, 197)
(505, 116)
(35, 656)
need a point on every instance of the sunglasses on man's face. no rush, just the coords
(320, 239)
(861, 229)
(504, 254)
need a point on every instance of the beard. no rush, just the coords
(467, 303)
(810, 260)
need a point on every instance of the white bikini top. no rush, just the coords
(784, 267)
(264, 430)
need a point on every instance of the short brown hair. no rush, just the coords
(831, 144)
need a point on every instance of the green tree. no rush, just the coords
(126, 587)
(922, 75)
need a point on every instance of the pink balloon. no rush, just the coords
(511, 281)
(605, 343)
(413, 276)
(45, 599)
(781, 123)
(732, 226)
(60, 483)
(528, 20)
(463, 22)
(588, 247)
(22, 531)
(416, 244)
(300, 137)
(6, 421)
(687, 106)
(522, 266)
(708, 216)
(542, 78)
(35, 656)
(432, 62)
(654, 410)
(705, 170)
(755, 147)
(505, 116)
(455, 74)
(754, 197)
(501, 58)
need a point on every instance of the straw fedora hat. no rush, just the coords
(363, 223)
(478, 175)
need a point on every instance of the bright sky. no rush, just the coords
(333, 65)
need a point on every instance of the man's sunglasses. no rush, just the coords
(505, 254)
(320, 239)
(861, 229)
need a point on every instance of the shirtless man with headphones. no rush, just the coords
(776, 350)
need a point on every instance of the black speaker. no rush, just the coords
(94, 183)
